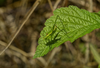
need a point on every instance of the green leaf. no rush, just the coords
(98, 13)
(67, 24)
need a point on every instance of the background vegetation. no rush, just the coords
(20, 54)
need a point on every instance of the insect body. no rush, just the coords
(53, 35)
(50, 32)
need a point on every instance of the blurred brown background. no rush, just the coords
(20, 53)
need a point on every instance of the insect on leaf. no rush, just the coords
(67, 24)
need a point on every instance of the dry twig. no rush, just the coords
(52, 55)
(28, 15)
(56, 4)
(51, 5)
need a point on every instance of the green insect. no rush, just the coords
(51, 37)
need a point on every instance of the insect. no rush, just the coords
(51, 37)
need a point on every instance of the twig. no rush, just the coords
(71, 48)
(31, 11)
(87, 53)
(90, 5)
(51, 5)
(15, 49)
(34, 42)
(52, 55)
(42, 60)
(65, 3)
(56, 4)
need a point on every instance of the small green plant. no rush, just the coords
(99, 66)
(95, 54)
(67, 24)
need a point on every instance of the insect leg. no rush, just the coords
(62, 25)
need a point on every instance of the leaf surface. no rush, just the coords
(67, 24)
